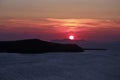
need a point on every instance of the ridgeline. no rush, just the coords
(36, 46)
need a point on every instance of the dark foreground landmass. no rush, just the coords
(37, 46)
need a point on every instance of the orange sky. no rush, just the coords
(105, 9)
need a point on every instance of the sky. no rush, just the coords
(97, 20)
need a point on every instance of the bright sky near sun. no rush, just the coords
(57, 19)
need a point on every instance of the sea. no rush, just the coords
(88, 65)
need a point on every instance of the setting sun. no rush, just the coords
(71, 37)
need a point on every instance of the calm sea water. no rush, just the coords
(89, 65)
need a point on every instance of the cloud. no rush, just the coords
(84, 22)
(51, 28)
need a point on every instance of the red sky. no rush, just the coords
(53, 28)
(97, 20)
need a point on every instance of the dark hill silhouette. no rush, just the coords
(36, 46)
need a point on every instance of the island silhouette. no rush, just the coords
(37, 46)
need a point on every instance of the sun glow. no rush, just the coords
(71, 37)
(70, 23)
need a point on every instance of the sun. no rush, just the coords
(71, 37)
